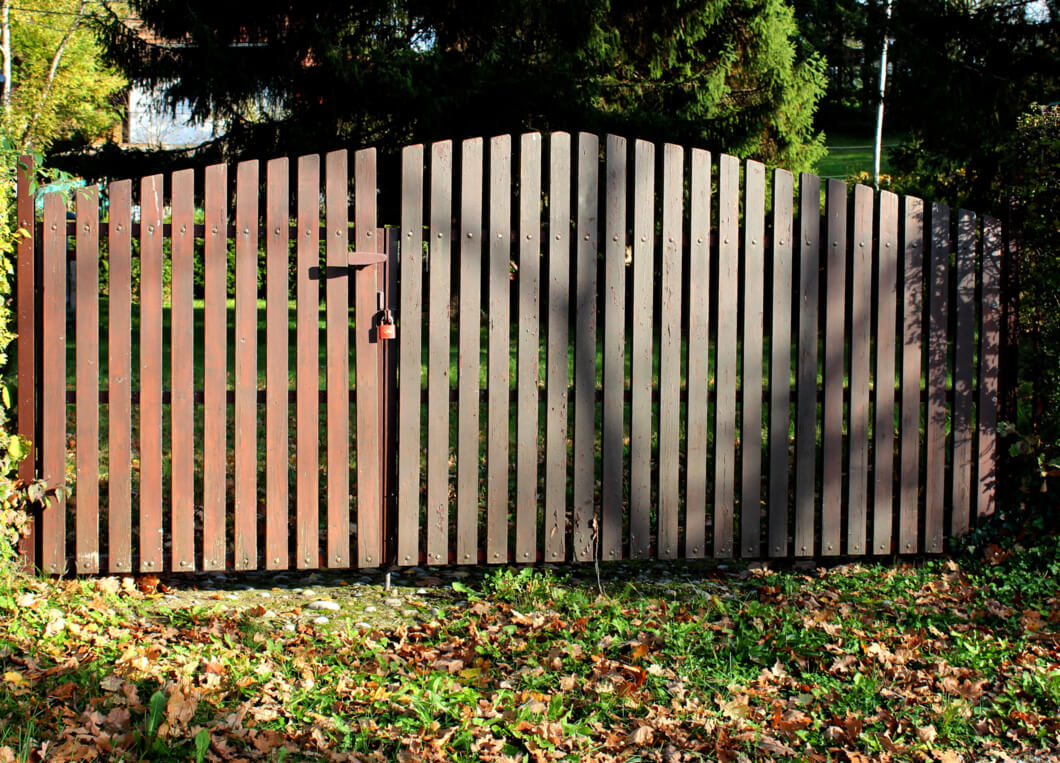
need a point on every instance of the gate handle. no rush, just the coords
(361, 259)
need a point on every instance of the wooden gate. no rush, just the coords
(198, 449)
(605, 350)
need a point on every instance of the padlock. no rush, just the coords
(387, 327)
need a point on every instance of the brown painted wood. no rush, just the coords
(751, 387)
(246, 362)
(963, 372)
(368, 283)
(883, 428)
(780, 364)
(438, 354)
(912, 352)
(499, 334)
(528, 347)
(640, 453)
(53, 384)
(834, 370)
(307, 375)
(670, 350)
(182, 373)
(87, 380)
(277, 446)
(150, 407)
(586, 518)
(614, 369)
(806, 407)
(119, 381)
(215, 381)
(696, 453)
(410, 318)
(860, 330)
(338, 357)
(989, 354)
(559, 313)
(725, 374)
(26, 326)
(467, 455)
(938, 349)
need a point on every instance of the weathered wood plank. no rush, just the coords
(641, 350)
(834, 370)
(528, 347)
(912, 353)
(277, 241)
(614, 370)
(780, 364)
(751, 387)
(119, 381)
(860, 328)
(53, 384)
(559, 312)
(467, 455)
(182, 372)
(938, 361)
(883, 429)
(246, 362)
(26, 327)
(725, 373)
(307, 363)
(806, 413)
(150, 407)
(989, 354)
(87, 381)
(696, 453)
(670, 350)
(963, 371)
(499, 334)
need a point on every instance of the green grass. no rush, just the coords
(939, 659)
(850, 155)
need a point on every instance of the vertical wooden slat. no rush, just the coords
(753, 314)
(529, 347)
(119, 370)
(338, 357)
(883, 429)
(937, 369)
(438, 355)
(246, 361)
(912, 351)
(780, 364)
(725, 407)
(989, 351)
(558, 343)
(499, 334)
(277, 239)
(586, 521)
(151, 374)
(614, 370)
(641, 349)
(26, 300)
(834, 370)
(806, 411)
(53, 384)
(87, 361)
(964, 360)
(216, 368)
(670, 350)
(860, 324)
(409, 374)
(467, 455)
(307, 382)
(368, 283)
(698, 356)
(182, 373)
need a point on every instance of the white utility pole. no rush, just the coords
(883, 89)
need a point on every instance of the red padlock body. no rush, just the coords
(387, 331)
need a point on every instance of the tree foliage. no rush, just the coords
(295, 76)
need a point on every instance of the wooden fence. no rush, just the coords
(617, 350)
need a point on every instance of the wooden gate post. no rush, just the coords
(26, 326)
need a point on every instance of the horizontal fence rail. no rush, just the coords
(605, 349)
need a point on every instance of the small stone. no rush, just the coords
(320, 620)
(265, 595)
(307, 593)
(289, 627)
(393, 602)
(332, 606)
(366, 626)
(421, 591)
(369, 609)
(269, 614)
(408, 612)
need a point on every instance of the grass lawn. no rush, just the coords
(851, 154)
(946, 660)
